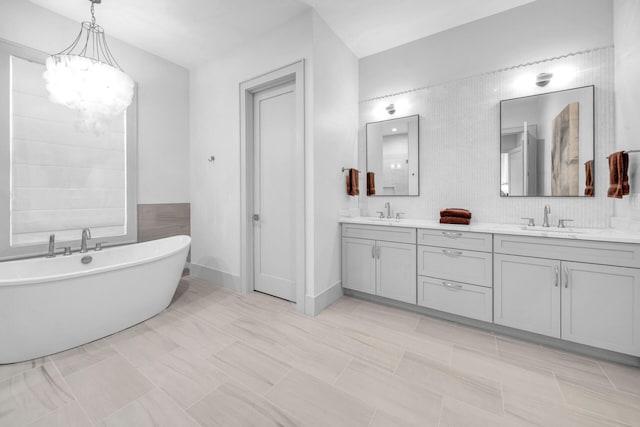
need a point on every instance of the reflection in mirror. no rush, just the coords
(392, 156)
(547, 144)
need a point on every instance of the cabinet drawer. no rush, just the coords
(457, 265)
(456, 239)
(608, 253)
(380, 232)
(471, 301)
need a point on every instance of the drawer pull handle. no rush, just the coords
(451, 234)
(557, 270)
(451, 253)
(451, 285)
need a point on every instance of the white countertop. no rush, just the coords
(575, 233)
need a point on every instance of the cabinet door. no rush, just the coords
(601, 306)
(527, 294)
(396, 271)
(359, 265)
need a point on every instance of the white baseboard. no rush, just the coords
(315, 304)
(217, 277)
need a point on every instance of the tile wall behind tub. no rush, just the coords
(459, 144)
(156, 221)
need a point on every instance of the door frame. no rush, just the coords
(290, 73)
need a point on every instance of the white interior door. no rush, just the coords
(274, 238)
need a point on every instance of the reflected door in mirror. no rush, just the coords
(544, 142)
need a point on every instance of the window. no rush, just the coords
(59, 178)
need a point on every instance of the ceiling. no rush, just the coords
(192, 32)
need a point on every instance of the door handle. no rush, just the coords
(256, 217)
(379, 250)
(566, 277)
(557, 270)
(373, 251)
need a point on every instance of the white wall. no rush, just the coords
(459, 116)
(335, 97)
(538, 30)
(215, 130)
(163, 97)
(331, 141)
(627, 63)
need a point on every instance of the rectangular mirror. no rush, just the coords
(547, 144)
(392, 157)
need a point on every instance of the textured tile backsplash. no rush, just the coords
(156, 221)
(459, 144)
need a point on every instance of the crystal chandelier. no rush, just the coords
(86, 77)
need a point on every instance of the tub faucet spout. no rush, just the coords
(52, 243)
(86, 235)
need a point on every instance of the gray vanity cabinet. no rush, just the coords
(582, 302)
(380, 261)
(455, 272)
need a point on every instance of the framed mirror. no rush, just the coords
(392, 157)
(547, 144)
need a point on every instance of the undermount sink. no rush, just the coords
(392, 220)
(566, 230)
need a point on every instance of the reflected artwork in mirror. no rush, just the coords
(547, 144)
(392, 157)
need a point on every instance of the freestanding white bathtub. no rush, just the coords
(52, 304)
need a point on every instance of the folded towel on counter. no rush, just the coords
(371, 184)
(454, 220)
(352, 182)
(618, 175)
(588, 185)
(455, 212)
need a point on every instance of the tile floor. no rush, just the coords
(215, 358)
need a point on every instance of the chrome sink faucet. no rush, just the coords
(86, 235)
(388, 207)
(547, 211)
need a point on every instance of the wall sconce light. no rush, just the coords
(543, 79)
(391, 109)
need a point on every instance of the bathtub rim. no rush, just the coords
(185, 241)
